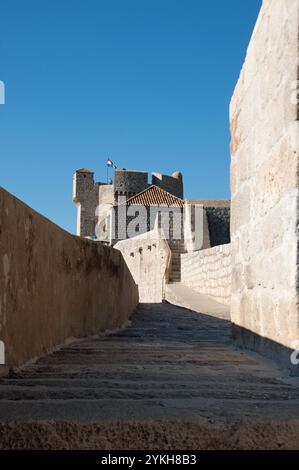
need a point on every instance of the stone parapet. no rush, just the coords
(208, 272)
(55, 286)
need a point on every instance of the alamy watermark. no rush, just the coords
(121, 222)
(2, 92)
(2, 353)
(295, 354)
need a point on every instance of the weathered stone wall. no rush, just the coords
(196, 228)
(130, 182)
(264, 185)
(86, 198)
(130, 221)
(218, 217)
(106, 194)
(55, 286)
(89, 196)
(209, 272)
(172, 184)
(219, 225)
(148, 257)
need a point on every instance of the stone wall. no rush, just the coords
(219, 225)
(148, 257)
(106, 194)
(209, 272)
(90, 196)
(218, 217)
(86, 198)
(172, 184)
(131, 221)
(196, 228)
(55, 286)
(129, 182)
(264, 185)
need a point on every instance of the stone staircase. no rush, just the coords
(177, 247)
(172, 377)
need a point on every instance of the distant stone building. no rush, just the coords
(132, 205)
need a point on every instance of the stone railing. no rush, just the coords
(55, 286)
(209, 272)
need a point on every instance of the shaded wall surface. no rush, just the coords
(148, 257)
(55, 286)
(219, 225)
(218, 217)
(209, 272)
(264, 185)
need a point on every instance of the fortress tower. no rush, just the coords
(172, 184)
(88, 194)
(129, 182)
(85, 196)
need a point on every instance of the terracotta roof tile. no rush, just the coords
(155, 196)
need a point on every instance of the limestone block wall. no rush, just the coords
(173, 184)
(209, 272)
(219, 224)
(106, 194)
(264, 185)
(86, 198)
(55, 286)
(129, 182)
(148, 257)
(127, 218)
(217, 213)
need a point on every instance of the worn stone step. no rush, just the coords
(169, 364)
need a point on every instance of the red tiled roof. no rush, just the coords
(155, 196)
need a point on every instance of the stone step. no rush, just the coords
(176, 265)
(171, 365)
(153, 391)
(175, 277)
(4, 371)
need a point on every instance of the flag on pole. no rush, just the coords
(111, 163)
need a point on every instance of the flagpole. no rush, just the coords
(110, 163)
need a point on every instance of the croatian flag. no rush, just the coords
(111, 163)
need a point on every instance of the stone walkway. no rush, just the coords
(169, 365)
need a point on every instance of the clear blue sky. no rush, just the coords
(146, 82)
